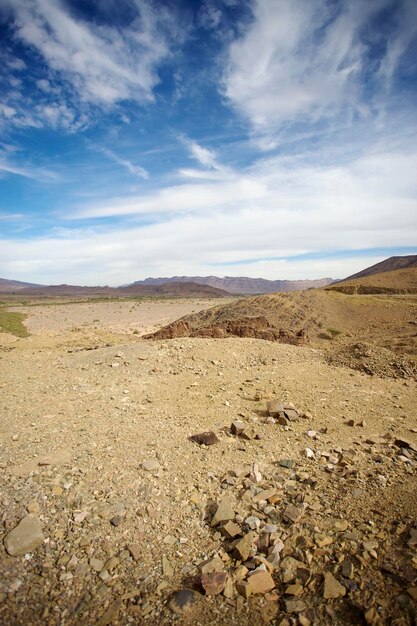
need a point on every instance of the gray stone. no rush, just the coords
(25, 537)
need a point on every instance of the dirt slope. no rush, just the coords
(396, 281)
(388, 265)
(83, 424)
(345, 326)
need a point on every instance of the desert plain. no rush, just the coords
(109, 505)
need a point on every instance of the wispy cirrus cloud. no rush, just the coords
(305, 62)
(103, 64)
(8, 167)
(84, 64)
(137, 170)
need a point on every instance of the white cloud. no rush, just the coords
(16, 64)
(301, 61)
(238, 224)
(398, 44)
(8, 167)
(137, 170)
(102, 64)
(203, 155)
(7, 111)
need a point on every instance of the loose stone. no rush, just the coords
(25, 537)
(213, 583)
(224, 512)
(207, 438)
(332, 587)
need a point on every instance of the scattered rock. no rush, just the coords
(25, 537)
(244, 546)
(332, 587)
(110, 614)
(237, 428)
(151, 465)
(135, 550)
(292, 514)
(213, 583)
(224, 512)
(260, 582)
(208, 438)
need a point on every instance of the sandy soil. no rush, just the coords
(79, 419)
(116, 317)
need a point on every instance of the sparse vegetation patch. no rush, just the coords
(11, 322)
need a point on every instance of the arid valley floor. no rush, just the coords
(96, 456)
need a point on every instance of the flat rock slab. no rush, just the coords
(260, 582)
(25, 537)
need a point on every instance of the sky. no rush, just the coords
(262, 138)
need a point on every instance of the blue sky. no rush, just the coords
(273, 138)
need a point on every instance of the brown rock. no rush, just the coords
(265, 494)
(294, 606)
(110, 614)
(294, 590)
(244, 546)
(275, 408)
(250, 433)
(292, 514)
(224, 512)
(213, 583)
(332, 587)
(347, 569)
(207, 438)
(212, 565)
(237, 427)
(291, 415)
(135, 550)
(261, 582)
(25, 537)
(230, 530)
(243, 589)
(229, 588)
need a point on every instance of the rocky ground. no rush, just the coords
(302, 508)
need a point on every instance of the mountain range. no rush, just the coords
(242, 285)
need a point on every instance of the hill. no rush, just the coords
(391, 264)
(184, 290)
(394, 282)
(373, 333)
(242, 285)
(14, 285)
